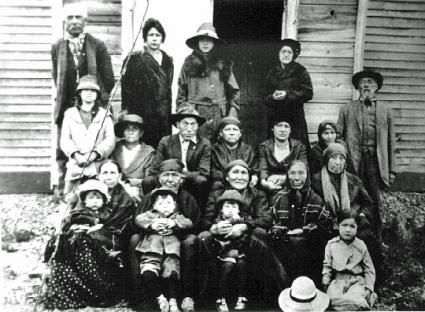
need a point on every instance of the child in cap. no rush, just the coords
(231, 252)
(160, 247)
(348, 271)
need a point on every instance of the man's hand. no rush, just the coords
(392, 177)
(254, 181)
(79, 158)
(279, 95)
(221, 228)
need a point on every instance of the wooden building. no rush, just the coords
(338, 37)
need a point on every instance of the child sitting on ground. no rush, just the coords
(231, 252)
(348, 261)
(160, 247)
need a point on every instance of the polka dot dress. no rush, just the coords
(87, 277)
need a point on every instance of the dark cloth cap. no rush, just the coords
(171, 165)
(205, 30)
(163, 190)
(334, 149)
(128, 119)
(229, 120)
(186, 110)
(232, 195)
(237, 162)
(279, 117)
(293, 44)
(367, 74)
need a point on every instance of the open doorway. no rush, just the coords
(252, 28)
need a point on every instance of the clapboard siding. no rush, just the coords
(25, 85)
(326, 31)
(395, 46)
(26, 31)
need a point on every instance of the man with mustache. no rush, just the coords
(75, 55)
(367, 128)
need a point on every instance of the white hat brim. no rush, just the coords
(287, 304)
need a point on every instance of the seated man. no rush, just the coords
(193, 151)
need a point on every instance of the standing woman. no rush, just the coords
(275, 155)
(146, 84)
(288, 87)
(206, 80)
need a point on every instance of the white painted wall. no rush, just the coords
(180, 20)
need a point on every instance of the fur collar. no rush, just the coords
(199, 65)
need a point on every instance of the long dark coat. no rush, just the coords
(97, 63)
(295, 80)
(146, 91)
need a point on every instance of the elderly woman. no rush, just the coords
(263, 262)
(206, 80)
(301, 224)
(132, 155)
(342, 191)
(288, 87)
(228, 148)
(326, 134)
(275, 155)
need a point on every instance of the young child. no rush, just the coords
(348, 260)
(231, 252)
(160, 247)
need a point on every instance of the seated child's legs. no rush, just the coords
(226, 269)
(151, 281)
(242, 276)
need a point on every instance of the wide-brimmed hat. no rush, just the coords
(303, 296)
(205, 30)
(93, 185)
(88, 82)
(293, 44)
(367, 74)
(186, 110)
(129, 119)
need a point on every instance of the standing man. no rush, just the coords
(75, 55)
(187, 146)
(367, 128)
(146, 84)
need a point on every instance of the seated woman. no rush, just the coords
(275, 155)
(327, 134)
(260, 259)
(132, 155)
(83, 270)
(228, 148)
(343, 191)
(301, 225)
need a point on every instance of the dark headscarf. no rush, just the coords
(293, 44)
(298, 196)
(322, 127)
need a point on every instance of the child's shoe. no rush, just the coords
(241, 304)
(173, 305)
(222, 305)
(163, 304)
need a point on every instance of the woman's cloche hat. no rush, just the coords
(128, 119)
(205, 30)
(88, 82)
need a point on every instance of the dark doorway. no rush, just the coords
(252, 28)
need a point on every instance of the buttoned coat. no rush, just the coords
(349, 126)
(197, 159)
(98, 62)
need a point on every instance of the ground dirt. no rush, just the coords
(27, 223)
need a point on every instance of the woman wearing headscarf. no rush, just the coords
(288, 87)
(326, 134)
(301, 224)
(275, 155)
(207, 82)
(230, 147)
(343, 191)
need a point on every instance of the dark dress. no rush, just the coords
(82, 272)
(146, 91)
(295, 80)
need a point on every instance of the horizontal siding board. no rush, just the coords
(326, 35)
(391, 39)
(29, 47)
(36, 133)
(25, 109)
(409, 48)
(25, 82)
(395, 22)
(397, 32)
(25, 117)
(30, 152)
(22, 161)
(396, 6)
(30, 142)
(33, 56)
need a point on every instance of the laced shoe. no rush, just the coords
(222, 305)
(173, 305)
(188, 305)
(163, 304)
(241, 304)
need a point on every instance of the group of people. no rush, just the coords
(177, 218)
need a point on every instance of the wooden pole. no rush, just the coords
(290, 19)
(360, 39)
